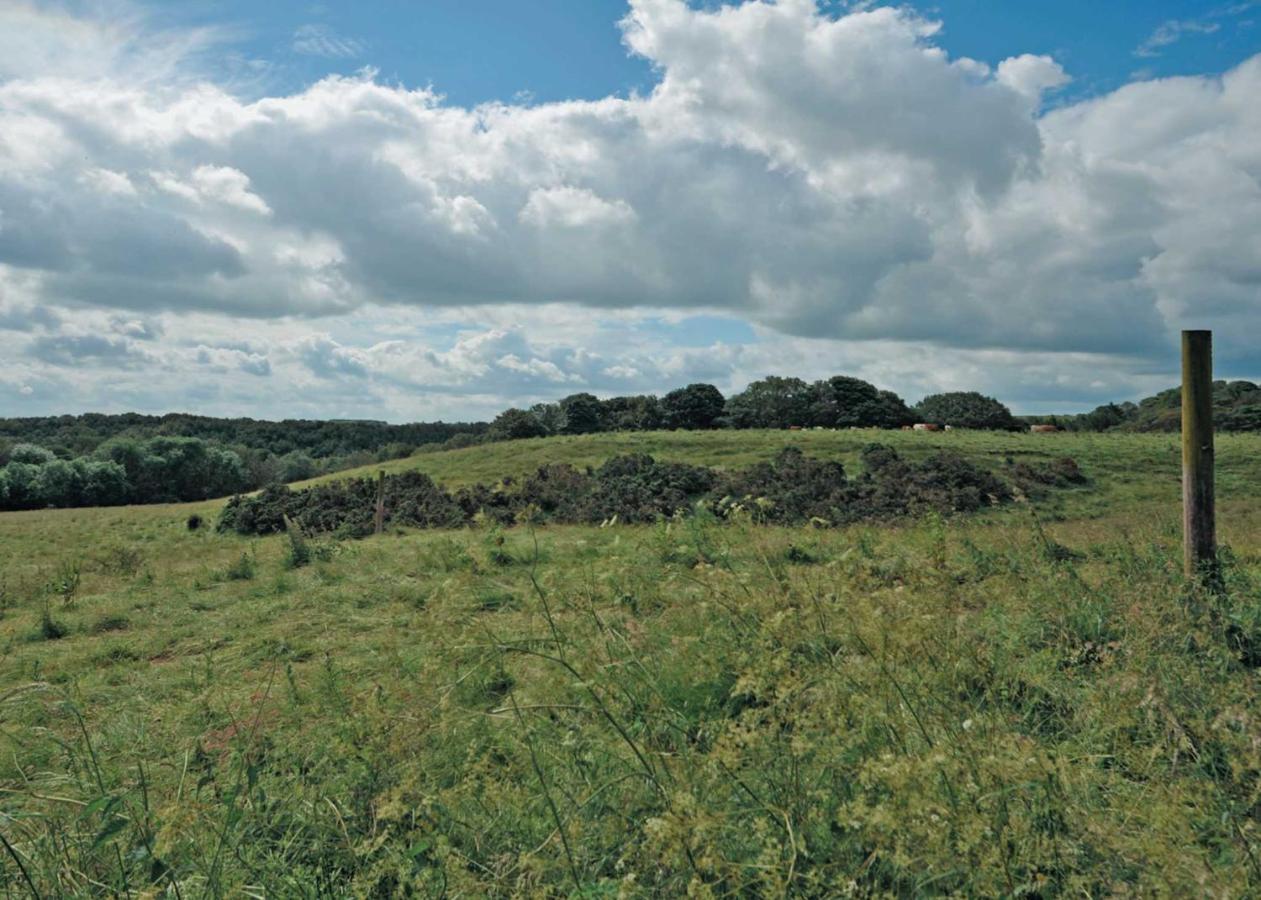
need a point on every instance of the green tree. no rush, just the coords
(845, 402)
(639, 413)
(30, 453)
(18, 485)
(966, 409)
(59, 483)
(1101, 418)
(550, 416)
(582, 414)
(515, 424)
(695, 407)
(104, 483)
(772, 402)
(894, 413)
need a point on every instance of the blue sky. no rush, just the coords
(385, 210)
(503, 50)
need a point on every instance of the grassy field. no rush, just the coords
(1029, 701)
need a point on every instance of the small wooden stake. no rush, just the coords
(379, 520)
(1198, 516)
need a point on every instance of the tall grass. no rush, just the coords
(1006, 705)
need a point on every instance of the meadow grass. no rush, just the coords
(1029, 701)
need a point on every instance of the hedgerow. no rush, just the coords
(791, 489)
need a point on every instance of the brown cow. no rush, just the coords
(1043, 429)
(927, 426)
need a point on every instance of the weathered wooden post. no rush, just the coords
(1198, 515)
(379, 519)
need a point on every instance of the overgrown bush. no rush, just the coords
(263, 513)
(792, 488)
(557, 490)
(637, 488)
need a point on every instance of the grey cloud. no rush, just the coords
(28, 318)
(70, 349)
(137, 329)
(326, 358)
(256, 365)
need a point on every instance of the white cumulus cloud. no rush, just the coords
(819, 176)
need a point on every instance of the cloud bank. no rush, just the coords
(839, 184)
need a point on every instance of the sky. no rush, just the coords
(413, 211)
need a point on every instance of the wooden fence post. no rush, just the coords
(379, 519)
(1198, 515)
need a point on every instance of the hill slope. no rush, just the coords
(983, 705)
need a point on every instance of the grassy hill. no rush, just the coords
(1025, 701)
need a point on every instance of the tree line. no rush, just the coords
(109, 460)
(70, 436)
(159, 470)
(771, 402)
(1236, 407)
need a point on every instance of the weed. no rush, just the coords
(120, 560)
(49, 628)
(799, 556)
(299, 550)
(242, 569)
(65, 583)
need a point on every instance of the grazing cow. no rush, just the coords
(927, 426)
(906, 427)
(794, 427)
(1043, 429)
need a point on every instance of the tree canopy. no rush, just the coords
(966, 409)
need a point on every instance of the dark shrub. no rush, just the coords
(878, 458)
(497, 503)
(412, 498)
(794, 488)
(791, 489)
(637, 488)
(946, 482)
(558, 490)
(262, 513)
(943, 483)
(194, 522)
